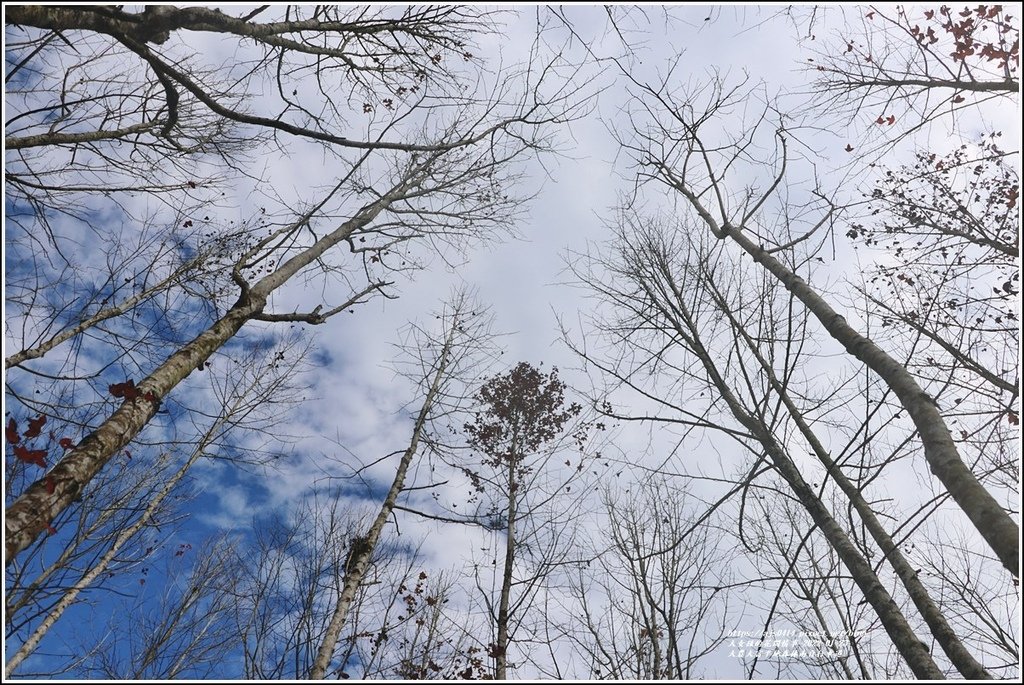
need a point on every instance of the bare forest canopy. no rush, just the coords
(447, 342)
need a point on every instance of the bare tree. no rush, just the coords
(113, 535)
(951, 644)
(138, 106)
(446, 364)
(400, 622)
(436, 643)
(833, 629)
(985, 601)
(662, 288)
(186, 633)
(674, 152)
(131, 277)
(652, 608)
(445, 182)
(946, 225)
(279, 613)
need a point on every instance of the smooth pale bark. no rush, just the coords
(31, 513)
(356, 567)
(958, 654)
(910, 647)
(989, 518)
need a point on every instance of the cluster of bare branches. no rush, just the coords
(715, 316)
(829, 455)
(443, 181)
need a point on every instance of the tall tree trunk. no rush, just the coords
(988, 517)
(910, 647)
(958, 654)
(501, 641)
(360, 560)
(101, 565)
(31, 513)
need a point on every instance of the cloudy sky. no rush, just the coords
(357, 408)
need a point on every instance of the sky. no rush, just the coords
(357, 409)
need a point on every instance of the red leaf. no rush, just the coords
(848, 148)
(891, 119)
(127, 390)
(929, 14)
(12, 432)
(870, 15)
(880, 120)
(37, 457)
(67, 444)
(51, 484)
(1013, 418)
(50, 529)
(958, 99)
(35, 426)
